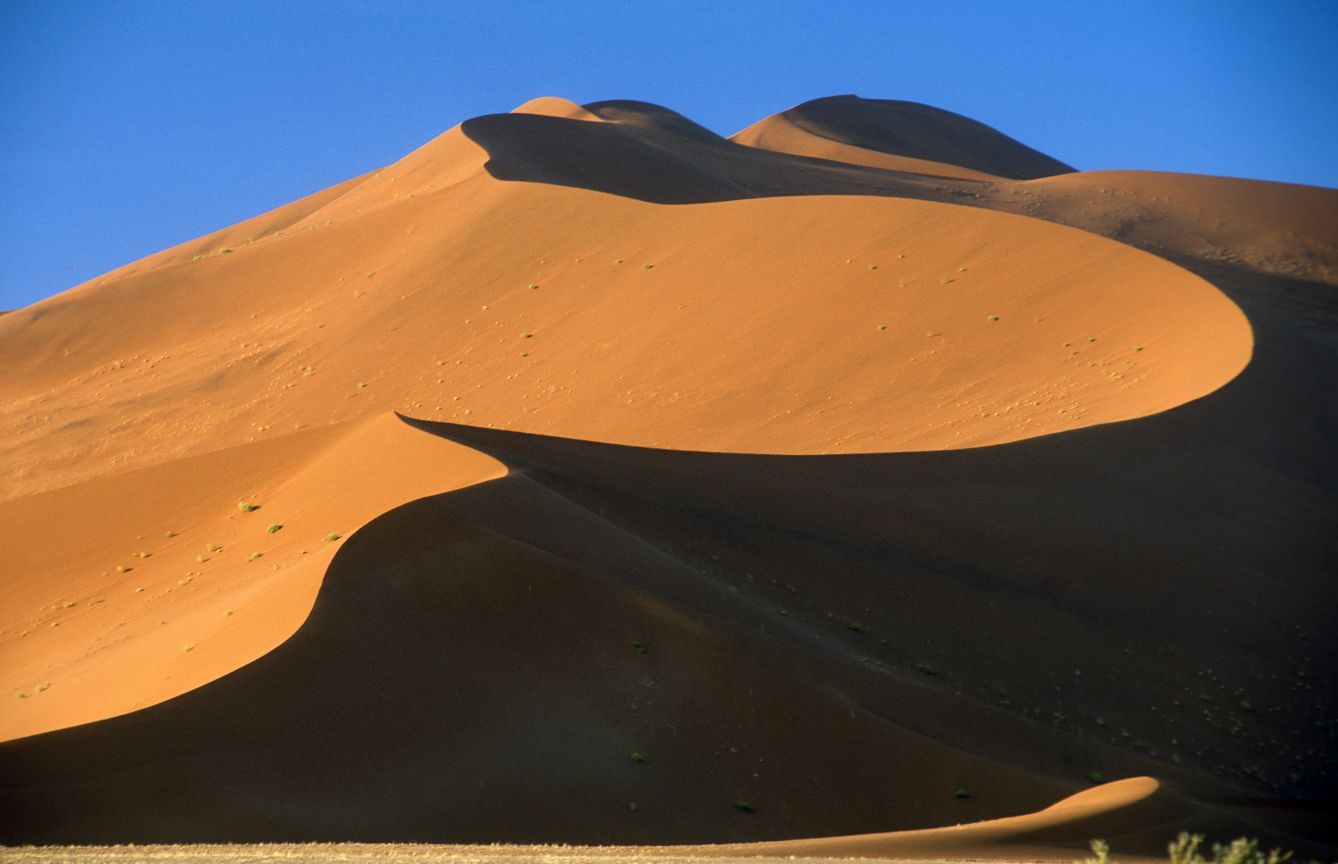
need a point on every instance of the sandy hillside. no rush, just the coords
(610, 473)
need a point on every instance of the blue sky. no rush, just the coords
(129, 126)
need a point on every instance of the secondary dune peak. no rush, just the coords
(556, 106)
(909, 130)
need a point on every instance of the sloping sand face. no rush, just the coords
(803, 325)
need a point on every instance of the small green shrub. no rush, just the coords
(1184, 849)
(961, 793)
(1096, 777)
(639, 648)
(1101, 851)
(926, 668)
(743, 807)
(331, 537)
(277, 526)
(247, 506)
(638, 758)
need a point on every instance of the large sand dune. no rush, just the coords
(808, 484)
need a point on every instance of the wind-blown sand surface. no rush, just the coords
(685, 472)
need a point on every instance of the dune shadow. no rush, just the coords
(661, 164)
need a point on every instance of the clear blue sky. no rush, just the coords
(127, 126)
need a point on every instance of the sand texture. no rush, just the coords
(865, 484)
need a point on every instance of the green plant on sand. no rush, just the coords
(1184, 849)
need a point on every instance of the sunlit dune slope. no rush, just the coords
(782, 325)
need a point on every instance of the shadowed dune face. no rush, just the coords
(843, 641)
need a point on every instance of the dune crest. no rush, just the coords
(1042, 835)
(556, 106)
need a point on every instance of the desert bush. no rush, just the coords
(1100, 852)
(1184, 849)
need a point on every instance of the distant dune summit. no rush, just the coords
(586, 476)
(917, 137)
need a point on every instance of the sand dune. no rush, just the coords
(912, 326)
(754, 626)
(813, 479)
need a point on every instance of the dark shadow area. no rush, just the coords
(653, 154)
(662, 164)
